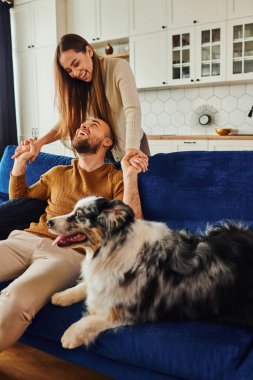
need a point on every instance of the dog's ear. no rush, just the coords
(114, 215)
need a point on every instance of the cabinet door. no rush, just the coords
(188, 145)
(181, 55)
(160, 146)
(211, 52)
(21, 29)
(188, 12)
(231, 145)
(147, 16)
(44, 68)
(240, 48)
(25, 94)
(239, 8)
(113, 19)
(44, 23)
(81, 19)
(148, 59)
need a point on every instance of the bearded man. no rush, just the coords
(40, 269)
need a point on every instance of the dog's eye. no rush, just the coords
(78, 214)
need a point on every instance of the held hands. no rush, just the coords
(19, 167)
(134, 161)
(25, 146)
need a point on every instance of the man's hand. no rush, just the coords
(134, 161)
(23, 156)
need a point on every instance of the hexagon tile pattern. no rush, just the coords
(169, 111)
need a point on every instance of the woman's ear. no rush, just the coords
(89, 50)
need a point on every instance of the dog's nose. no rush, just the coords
(50, 223)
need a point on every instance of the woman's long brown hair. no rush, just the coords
(76, 98)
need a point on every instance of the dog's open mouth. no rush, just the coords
(66, 240)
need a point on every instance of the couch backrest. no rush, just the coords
(43, 162)
(189, 189)
(183, 189)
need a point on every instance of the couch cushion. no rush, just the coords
(188, 350)
(188, 189)
(43, 162)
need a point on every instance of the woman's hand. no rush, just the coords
(134, 160)
(137, 159)
(24, 146)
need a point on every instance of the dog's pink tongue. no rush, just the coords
(55, 242)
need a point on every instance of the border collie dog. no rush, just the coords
(137, 271)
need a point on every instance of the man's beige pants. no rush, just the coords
(39, 270)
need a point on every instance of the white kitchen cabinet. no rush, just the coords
(169, 146)
(37, 24)
(160, 146)
(197, 54)
(231, 145)
(33, 55)
(148, 59)
(188, 145)
(98, 20)
(182, 13)
(240, 49)
(147, 16)
(239, 8)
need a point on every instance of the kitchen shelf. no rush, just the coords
(118, 55)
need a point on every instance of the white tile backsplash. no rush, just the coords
(176, 111)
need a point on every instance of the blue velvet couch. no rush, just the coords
(184, 190)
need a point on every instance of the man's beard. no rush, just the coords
(88, 146)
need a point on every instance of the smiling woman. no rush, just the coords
(8, 130)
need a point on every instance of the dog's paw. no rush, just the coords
(61, 299)
(74, 337)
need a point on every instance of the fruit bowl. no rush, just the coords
(223, 131)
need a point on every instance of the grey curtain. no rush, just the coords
(8, 127)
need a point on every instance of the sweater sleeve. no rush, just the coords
(40, 190)
(131, 104)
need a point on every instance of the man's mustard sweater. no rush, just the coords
(62, 186)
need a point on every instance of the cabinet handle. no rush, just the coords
(189, 142)
(29, 46)
(32, 46)
(192, 80)
(98, 38)
(194, 21)
(93, 39)
(197, 80)
(164, 27)
(164, 82)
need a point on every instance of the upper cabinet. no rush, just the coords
(197, 54)
(148, 59)
(147, 16)
(156, 15)
(183, 13)
(239, 8)
(98, 20)
(240, 48)
(28, 24)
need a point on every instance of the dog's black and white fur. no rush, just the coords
(138, 271)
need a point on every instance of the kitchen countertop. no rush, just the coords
(200, 137)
